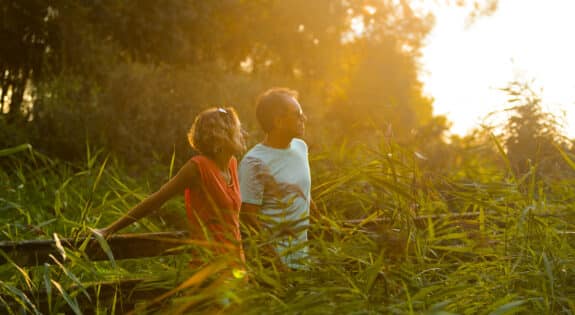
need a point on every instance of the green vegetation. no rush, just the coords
(410, 222)
(512, 253)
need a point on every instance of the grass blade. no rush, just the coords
(16, 149)
(72, 302)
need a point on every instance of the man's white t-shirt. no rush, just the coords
(279, 181)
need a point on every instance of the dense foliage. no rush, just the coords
(392, 236)
(129, 75)
(408, 222)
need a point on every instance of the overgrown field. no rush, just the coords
(392, 236)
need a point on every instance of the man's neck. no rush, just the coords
(277, 141)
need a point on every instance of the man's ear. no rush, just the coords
(278, 122)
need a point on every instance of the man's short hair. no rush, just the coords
(271, 104)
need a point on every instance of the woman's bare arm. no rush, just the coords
(187, 176)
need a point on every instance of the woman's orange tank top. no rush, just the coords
(213, 209)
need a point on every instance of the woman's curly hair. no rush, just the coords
(213, 130)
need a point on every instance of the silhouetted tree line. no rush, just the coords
(130, 75)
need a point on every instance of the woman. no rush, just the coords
(209, 182)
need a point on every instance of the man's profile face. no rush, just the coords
(293, 119)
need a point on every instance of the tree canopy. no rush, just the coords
(130, 74)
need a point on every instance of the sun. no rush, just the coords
(464, 68)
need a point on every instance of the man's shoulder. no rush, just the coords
(255, 151)
(299, 141)
(299, 144)
(254, 156)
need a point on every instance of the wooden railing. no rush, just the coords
(127, 246)
(124, 293)
(124, 246)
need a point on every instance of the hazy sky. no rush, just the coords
(525, 40)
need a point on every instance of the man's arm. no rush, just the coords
(252, 190)
(249, 213)
(187, 176)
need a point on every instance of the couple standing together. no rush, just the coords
(271, 188)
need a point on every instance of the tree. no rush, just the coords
(354, 62)
(531, 135)
(26, 32)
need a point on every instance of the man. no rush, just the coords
(275, 180)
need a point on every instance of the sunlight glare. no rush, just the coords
(369, 9)
(357, 25)
(463, 69)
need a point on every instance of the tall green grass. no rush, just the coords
(371, 251)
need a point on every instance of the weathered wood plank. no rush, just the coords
(124, 246)
(467, 215)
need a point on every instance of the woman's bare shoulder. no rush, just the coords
(190, 171)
